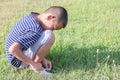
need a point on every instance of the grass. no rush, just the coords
(87, 49)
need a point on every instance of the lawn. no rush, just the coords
(87, 49)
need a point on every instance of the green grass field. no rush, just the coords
(87, 49)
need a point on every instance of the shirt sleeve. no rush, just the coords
(27, 39)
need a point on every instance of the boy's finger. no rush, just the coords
(49, 66)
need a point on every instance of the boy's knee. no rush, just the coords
(48, 37)
(52, 38)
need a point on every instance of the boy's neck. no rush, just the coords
(39, 19)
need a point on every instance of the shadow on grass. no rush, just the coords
(70, 57)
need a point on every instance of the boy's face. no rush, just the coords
(56, 25)
(53, 24)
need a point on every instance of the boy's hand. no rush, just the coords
(37, 67)
(47, 64)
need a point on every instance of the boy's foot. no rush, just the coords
(46, 73)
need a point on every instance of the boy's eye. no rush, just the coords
(54, 27)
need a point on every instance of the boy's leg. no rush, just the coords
(46, 45)
(38, 51)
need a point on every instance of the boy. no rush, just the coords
(31, 38)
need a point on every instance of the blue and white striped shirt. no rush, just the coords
(25, 32)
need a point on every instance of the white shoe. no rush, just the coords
(46, 73)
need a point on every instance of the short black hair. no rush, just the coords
(61, 13)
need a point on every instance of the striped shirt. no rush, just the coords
(25, 32)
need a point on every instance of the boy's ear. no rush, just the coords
(50, 17)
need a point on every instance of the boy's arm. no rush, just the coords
(16, 50)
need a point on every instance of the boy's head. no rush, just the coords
(56, 17)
